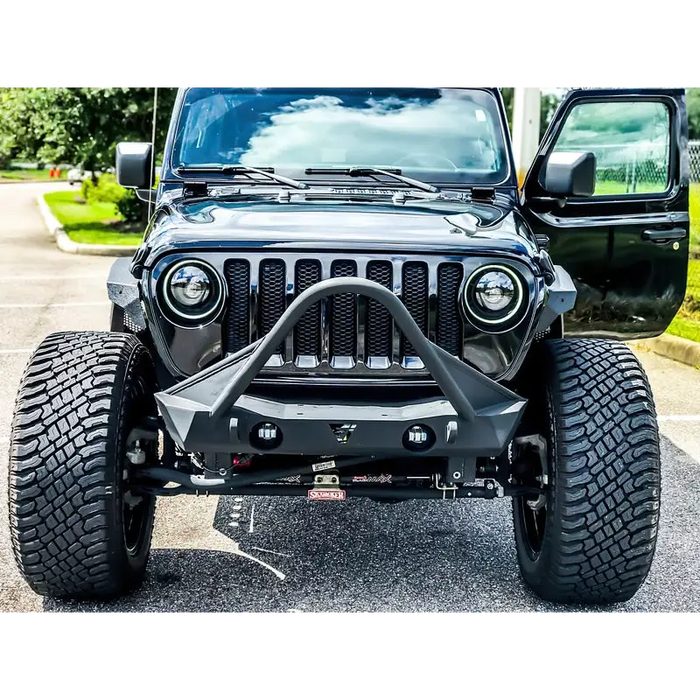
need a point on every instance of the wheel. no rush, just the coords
(77, 531)
(591, 537)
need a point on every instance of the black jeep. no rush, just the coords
(344, 292)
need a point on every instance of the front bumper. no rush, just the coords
(215, 411)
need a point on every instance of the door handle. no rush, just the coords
(663, 235)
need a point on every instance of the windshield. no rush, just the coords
(445, 135)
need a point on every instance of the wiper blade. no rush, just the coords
(240, 170)
(357, 172)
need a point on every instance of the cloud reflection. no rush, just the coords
(413, 132)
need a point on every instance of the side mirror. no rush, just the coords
(570, 174)
(134, 164)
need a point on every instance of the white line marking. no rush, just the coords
(22, 351)
(241, 553)
(269, 551)
(47, 278)
(680, 418)
(4, 441)
(68, 304)
(252, 515)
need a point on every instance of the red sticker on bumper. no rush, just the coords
(326, 495)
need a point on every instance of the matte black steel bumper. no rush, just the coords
(211, 411)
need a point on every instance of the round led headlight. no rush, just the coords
(494, 298)
(193, 292)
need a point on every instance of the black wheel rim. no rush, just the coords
(533, 524)
(136, 510)
(135, 518)
(533, 520)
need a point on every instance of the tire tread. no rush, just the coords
(602, 528)
(63, 463)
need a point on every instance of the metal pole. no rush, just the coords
(153, 149)
(526, 128)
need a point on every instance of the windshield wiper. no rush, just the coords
(240, 170)
(358, 172)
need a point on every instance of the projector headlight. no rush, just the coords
(494, 298)
(193, 293)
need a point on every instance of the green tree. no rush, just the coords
(693, 106)
(80, 125)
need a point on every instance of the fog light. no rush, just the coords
(267, 432)
(266, 436)
(418, 437)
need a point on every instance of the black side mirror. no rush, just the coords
(570, 174)
(134, 164)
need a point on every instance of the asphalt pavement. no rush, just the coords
(278, 554)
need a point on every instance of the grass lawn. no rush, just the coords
(695, 217)
(687, 321)
(609, 187)
(22, 174)
(92, 223)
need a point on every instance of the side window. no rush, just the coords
(631, 142)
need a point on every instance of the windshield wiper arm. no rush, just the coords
(396, 174)
(241, 169)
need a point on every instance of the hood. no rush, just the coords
(428, 226)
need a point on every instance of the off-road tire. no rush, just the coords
(602, 513)
(79, 398)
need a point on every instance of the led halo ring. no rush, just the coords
(215, 279)
(480, 271)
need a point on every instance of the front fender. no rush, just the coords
(123, 291)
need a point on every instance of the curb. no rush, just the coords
(672, 347)
(52, 223)
(64, 242)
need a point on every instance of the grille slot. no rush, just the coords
(378, 327)
(238, 319)
(414, 282)
(307, 334)
(343, 326)
(449, 322)
(271, 302)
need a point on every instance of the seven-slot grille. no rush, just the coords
(344, 331)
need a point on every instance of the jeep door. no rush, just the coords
(626, 244)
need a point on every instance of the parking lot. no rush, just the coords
(267, 554)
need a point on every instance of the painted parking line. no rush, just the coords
(686, 418)
(49, 278)
(64, 305)
(21, 351)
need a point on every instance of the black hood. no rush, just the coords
(421, 226)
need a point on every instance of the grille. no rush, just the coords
(449, 323)
(379, 331)
(307, 334)
(238, 327)
(343, 330)
(272, 297)
(414, 283)
(343, 327)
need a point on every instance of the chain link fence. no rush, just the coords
(694, 153)
(625, 169)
